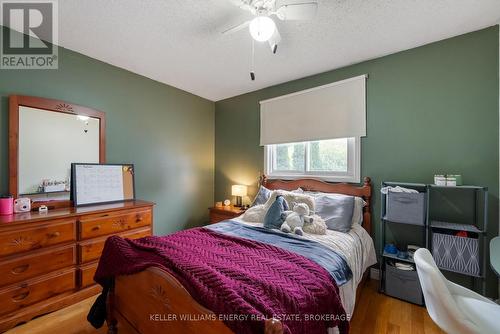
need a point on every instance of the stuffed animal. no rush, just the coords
(315, 225)
(294, 220)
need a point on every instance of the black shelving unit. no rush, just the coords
(420, 187)
(477, 225)
(440, 223)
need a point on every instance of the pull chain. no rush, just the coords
(252, 73)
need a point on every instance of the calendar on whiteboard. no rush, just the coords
(101, 183)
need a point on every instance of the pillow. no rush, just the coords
(262, 196)
(291, 198)
(359, 204)
(255, 214)
(272, 199)
(273, 218)
(336, 209)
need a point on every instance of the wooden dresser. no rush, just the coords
(47, 261)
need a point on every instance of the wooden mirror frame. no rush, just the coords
(15, 101)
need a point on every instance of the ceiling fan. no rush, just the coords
(262, 27)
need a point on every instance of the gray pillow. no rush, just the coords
(336, 210)
(262, 196)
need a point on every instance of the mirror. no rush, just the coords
(51, 135)
(48, 143)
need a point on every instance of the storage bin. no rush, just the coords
(407, 208)
(403, 284)
(459, 254)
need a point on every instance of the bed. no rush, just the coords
(136, 303)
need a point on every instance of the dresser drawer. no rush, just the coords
(36, 263)
(98, 225)
(91, 250)
(22, 240)
(87, 273)
(17, 296)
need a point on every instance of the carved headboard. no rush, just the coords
(364, 191)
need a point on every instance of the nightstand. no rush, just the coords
(221, 213)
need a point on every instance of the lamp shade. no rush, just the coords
(239, 190)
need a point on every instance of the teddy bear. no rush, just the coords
(294, 220)
(315, 225)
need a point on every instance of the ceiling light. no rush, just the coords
(262, 28)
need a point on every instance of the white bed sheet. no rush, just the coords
(358, 249)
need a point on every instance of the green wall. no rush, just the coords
(166, 132)
(432, 109)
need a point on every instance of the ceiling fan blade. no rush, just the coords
(236, 28)
(297, 11)
(244, 4)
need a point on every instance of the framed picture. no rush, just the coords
(101, 183)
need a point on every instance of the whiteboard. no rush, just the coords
(101, 183)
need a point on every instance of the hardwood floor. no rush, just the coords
(380, 314)
(375, 314)
(69, 320)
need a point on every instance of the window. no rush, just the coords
(330, 160)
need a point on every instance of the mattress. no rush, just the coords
(357, 248)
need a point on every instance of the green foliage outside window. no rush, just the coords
(324, 156)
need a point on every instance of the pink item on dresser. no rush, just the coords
(6, 205)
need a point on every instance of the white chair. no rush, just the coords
(455, 309)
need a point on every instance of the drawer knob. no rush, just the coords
(96, 228)
(20, 269)
(20, 296)
(54, 234)
(139, 219)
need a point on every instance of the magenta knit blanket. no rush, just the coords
(233, 276)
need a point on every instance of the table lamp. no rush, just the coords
(239, 191)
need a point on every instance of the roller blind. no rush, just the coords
(336, 110)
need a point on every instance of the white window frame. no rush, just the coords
(353, 174)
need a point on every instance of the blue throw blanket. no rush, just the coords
(333, 262)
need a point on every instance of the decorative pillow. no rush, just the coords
(262, 196)
(272, 199)
(290, 198)
(255, 214)
(274, 218)
(336, 209)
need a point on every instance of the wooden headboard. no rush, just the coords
(364, 191)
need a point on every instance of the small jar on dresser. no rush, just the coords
(220, 213)
(48, 260)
